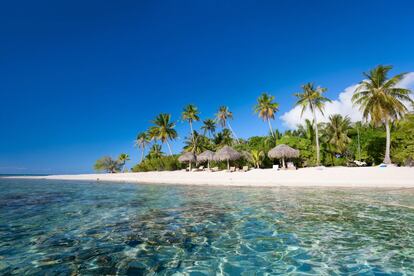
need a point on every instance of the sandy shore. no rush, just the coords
(391, 177)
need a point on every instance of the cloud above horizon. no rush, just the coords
(343, 105)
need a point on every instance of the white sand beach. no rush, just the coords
(390, 177)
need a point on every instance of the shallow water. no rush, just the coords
(51, 227)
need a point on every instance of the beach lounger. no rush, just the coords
(245, 168)
(232, 169)
(215, 169)
(291, 166)
(276, 167)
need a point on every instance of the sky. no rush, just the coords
(80, 79)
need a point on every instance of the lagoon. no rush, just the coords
(84, 227)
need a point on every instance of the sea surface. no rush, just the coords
(89, 228)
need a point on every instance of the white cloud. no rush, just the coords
(343, 105)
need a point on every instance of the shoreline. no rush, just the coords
(340, 177)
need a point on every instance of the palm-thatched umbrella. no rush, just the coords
(282, 152)
(187, 157)
(207, 155)
(226, 154)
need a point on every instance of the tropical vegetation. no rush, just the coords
(385, 135)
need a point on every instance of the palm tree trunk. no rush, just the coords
(271, 130)
(359, 145)
(169, 148)
(316, 136)
(234, 134)
(192, 131)
(387, 159)
(142, 155)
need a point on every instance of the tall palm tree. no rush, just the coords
(164, 129)
(336, 132)
(311, 98)
(266, 108)
(122, 159)
(209, 127)
(223, 116)
(190, 114)
(381, 101)
(142, 140)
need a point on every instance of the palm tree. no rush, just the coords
(311, 98)
(255, 157)
(307, 130)
(381, 101)
(336, 132)
(266, 108)
(164, 129)
(358, 126)
(223, 138)
(155, 152)
(209, 127)
(223, 116)
(190, 114)
(143, 139)
(107, 164)
(197, 145)
(123, 158)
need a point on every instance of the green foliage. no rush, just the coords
(402, 147)
(108, 164)
(155, 152)
(164, 163)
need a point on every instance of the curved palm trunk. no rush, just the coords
(169, 148)
(234, 134)
(271, 130)
(142, 154)
(387, 158)
(316, 136)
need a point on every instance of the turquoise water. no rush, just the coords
(57, 227)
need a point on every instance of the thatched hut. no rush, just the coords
(282, 152)
(226, 154)
(187, 157)
(207, 155)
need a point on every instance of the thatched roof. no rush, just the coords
(226, 153)
(208, 155)
(283, 151)
(187, 157)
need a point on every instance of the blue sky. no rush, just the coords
(79, 79)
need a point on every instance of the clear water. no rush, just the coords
(55, 227)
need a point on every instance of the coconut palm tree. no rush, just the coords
(223, 138)
(142, 140)
(311, 98)
(223, 116)
(197, 145)
(190, 114)
(164, 129)
(209, 127)
(266, 108)
(155, 152)
(381, 101)
(122, 159)
(336, 132)
(307, 130)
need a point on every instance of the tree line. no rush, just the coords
(383, 104)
